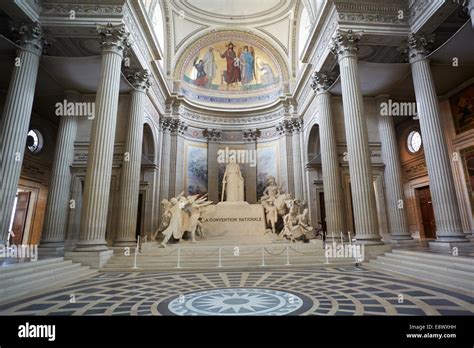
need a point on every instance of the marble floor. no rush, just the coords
(299, 291)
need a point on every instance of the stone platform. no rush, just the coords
(233, 219)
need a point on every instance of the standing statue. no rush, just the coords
(271, 214)
(233, 183)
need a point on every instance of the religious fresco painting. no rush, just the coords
(462, 108)
(267, 164)
(196, 169)
(235, 66)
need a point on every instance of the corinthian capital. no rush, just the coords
(345, 43)
(30, 37)
(139, 78)
(114, 37)
(320, 82)
(418, 47)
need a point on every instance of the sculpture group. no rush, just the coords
(285, 216)
(179, 215)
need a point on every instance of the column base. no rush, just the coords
(448, 246)
(124, 243)
(374, 241)
(402, 242)
(372, 251)
(51, 249)
(91, 245)
(93, 259)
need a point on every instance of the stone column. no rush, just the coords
(179, 159)
(345, 46)
(285, 128)
(332, 184)
(445, 204)
(57, 206)
(251, 136)
(213, 137)
(297, 124)
(16, 118)
(470, 10)
(131, 165)
(165, 125)
(395, 198)
(114, 40)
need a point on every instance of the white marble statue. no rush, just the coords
(233, 183)
(183, 215)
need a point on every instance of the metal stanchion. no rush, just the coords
(287, 256)
(263, 257)
(136, 253)
(179, 258)
(220, 258)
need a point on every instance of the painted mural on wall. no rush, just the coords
(468, 164)
(462, 108)
(267, 164)
(196, 169)
(235, 66)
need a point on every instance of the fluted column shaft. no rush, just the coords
(363, 194)
(101, 148)
(131, 166)
(395, 198)
(16, 119)
(57, 205)
(332, 184)
(298, 170)
(443, 194)
(212, 170)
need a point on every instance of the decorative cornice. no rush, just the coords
(139, 79)
(251, 134)
(212, 134)
(57, 8)
(199, 117)
(113, 37)
(345, 43)
(320, 82)
(418, 47)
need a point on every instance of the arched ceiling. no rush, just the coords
(274, 20)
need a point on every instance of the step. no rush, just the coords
(63, 268)
(428, 267)
(33, 269)
(421, 261)
(443, 279)
(27, 264)
(45, 285)
(435, 256)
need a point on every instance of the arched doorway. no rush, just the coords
(314, 177)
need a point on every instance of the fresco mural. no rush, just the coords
(468, 165)
(462, 108)
(267, 164)
(235, 66)
(196, 169)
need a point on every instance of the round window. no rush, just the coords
(34, 141)
(414, 141)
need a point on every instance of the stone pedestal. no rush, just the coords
(93, 259)
(233, 220)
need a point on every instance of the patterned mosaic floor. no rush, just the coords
(336, 291)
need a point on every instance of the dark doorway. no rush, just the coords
(322, 209)
(139, 216)
(427, 213)
(19, 219)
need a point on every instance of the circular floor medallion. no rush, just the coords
(236, 302)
